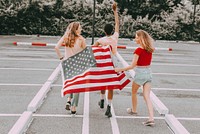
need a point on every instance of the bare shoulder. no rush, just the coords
(81, 38)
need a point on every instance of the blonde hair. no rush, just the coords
(71, 35)
(146, 40)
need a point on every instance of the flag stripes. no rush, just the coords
(101, 77)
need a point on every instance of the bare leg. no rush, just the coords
(146, 94)
(135, 88)
(110, 95)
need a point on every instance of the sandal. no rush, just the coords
(129, 111)
(149, 123)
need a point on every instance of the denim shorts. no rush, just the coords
(142, 75)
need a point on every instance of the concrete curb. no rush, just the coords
(159, 106)
(175, 125)
(39, 97)
(22, 123)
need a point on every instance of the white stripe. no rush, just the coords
(85, 127)
(123, 80)
(24, 43)
(94, 77)
(169, 64)
(190, 119)
(176, 89)
(114, 124)
(101, 53)
(32, 69)
(169, 89)
(103, 61)
(12, 84)
(92, 85)
(27, 59)
(176, 74)
(138, 117)
(167, 54)
(55, 115)
(9, 115)
(35, 53)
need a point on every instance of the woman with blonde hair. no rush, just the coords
(141, 64)
(74, 43)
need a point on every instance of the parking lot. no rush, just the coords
(25, 69)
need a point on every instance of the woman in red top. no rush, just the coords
(141, 64)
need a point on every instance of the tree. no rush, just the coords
(152, 8)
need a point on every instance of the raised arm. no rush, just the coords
(114, 7)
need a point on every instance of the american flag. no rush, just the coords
(91, 70)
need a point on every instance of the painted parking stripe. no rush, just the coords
(170, 64)
(14, 84)
(57, 115)
(114, 124)
(177, 89)
(85, 127)
(174, 74)
(28, 59)
(27, 69)
(139, 117)
(81, 116)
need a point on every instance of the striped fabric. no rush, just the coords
(91, 70)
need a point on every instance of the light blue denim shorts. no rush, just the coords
(142, 75)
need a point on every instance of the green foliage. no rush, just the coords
(163, 19)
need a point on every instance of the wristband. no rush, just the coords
(61, 58)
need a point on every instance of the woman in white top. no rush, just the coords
(74, 43)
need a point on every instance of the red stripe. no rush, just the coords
(104, 64)
(95, 88)
(85, 81)
(101, 50)
(38, 44)
(125, 83)
(91, 73)
(15, 43)
(102, 57)
(122, 47)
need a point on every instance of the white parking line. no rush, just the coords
(174, 74)
(189, 119)
(10, 115)
(28, 59)
(28, 53)
(176, 89)
(13, 84)
(85, 127)
(29, 69)
(171, 89)
(170, 64)
(56, 115)
(138, 117)
(114, 124)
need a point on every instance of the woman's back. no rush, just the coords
(70, 51)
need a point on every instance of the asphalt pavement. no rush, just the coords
(25, 69)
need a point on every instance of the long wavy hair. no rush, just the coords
(146, 40)
(71, 34)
